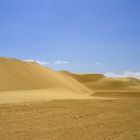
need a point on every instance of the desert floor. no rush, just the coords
(84, 119)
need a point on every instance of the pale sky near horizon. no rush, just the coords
(77, 35)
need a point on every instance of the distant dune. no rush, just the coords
(84, 77)
(98, 82)
(115, 84)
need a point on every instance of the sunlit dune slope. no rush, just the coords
(19, 75)
(99, 82)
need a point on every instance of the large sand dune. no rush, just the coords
(19, 75)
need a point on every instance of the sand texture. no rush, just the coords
(38, 103)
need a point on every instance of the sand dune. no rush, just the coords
(115, 84)
(73, 114)
(84, 77)
(100, 83)
(19, 75)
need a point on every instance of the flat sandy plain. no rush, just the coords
(37, 103)
(113, 119)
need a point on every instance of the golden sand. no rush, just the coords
(38, 103)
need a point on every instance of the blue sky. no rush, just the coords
(82, 35)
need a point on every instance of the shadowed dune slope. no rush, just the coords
(99, 82)
(19, 75)
(84, 77)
